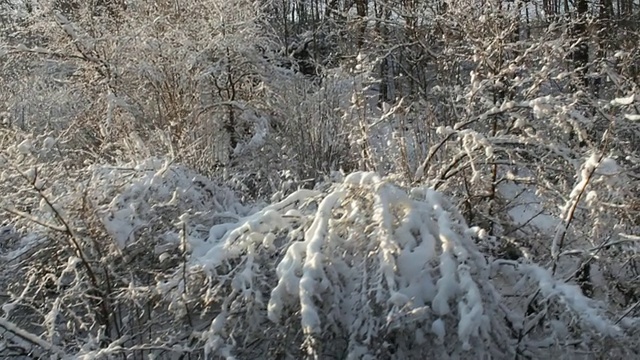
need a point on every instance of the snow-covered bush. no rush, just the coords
(108, 256)
(356, 267)
(114, 244)
(96, 78)
(366, 269)
(528, 145)
(86, 247)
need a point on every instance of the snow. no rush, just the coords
(260, 131)
(29, 338)
(608, 167)
(438, 329)
(572, 297)
(363, 255)
(372, 262)
(624, 100)
(312, 272)
(25, 147)
(525, 208)
(408, 232)
(149, 189)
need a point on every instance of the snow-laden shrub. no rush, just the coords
(85, 249)
(368, 270)
(149, 258)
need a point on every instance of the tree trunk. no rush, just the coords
(580, 56)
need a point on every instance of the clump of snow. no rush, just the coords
(624, 100)
(260, 131)
(571, 296)
(48, 143)
(608, 167)
(136, 196)
(25, 147)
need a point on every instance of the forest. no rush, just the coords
(319, 179)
